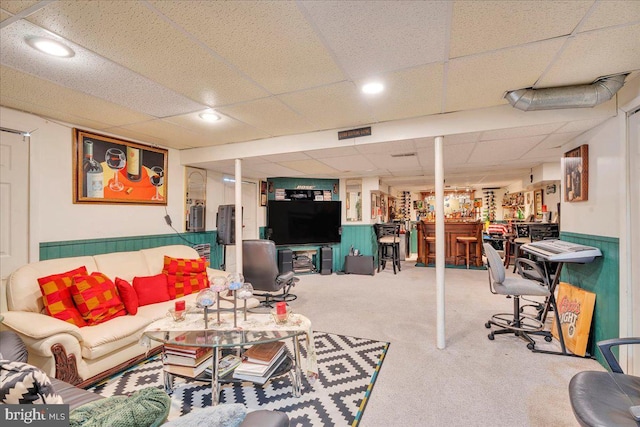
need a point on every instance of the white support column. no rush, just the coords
(238, 198)
(439, 170)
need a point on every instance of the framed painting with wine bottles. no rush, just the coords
(112, 170)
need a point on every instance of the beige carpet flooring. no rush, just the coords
(472, 382)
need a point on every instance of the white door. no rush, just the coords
(14, 205)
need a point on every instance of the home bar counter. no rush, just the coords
(452, 230)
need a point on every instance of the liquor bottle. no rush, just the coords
(93, 174)
(134, 164)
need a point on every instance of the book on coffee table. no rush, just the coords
(264, 353)
(173, 358)
(258, 373)
(189, 371)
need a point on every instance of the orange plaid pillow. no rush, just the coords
(185, 276)
(184, 265)
(57, 299)
(96, 298)
(180, 285)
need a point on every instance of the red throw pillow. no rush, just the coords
(127, 295)
(151, 289)
(185, 276)
(57, 299)
(96, 298)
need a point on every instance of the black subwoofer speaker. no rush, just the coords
(326, 260)
(285, 260)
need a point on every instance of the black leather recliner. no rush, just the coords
(260, 268)
(606, 398)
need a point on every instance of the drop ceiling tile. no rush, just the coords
(348, 163)
(482, 80)
(39, 110)
(146, 138)
(590, 55)
(462, 138)
(457, 154)
(391, 147)
(268, 115)
(132, 35)
(275, 170)
(611, 13)
(558, 139)
(17, 6)
(520, 132)
(330, 107)
(408, 93)
(426, 158)
(495, 152)
(424, 143)
(90, 73)
(406, 34)
(332, 152)
(170, 134)
(581, 125)
(286, 157)
(63, 101)
(4, 16)
(226, 130)
(481, 26)
(544, 154)
(268, 47)
(385, 161)
(310, 167)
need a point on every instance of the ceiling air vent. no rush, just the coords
(404, 155)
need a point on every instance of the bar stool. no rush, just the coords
(388, 245)
(430, 240)
(467, 241)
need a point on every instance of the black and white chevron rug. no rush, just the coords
(348, 368)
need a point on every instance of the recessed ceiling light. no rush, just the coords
(50, 46)
(209, 117)
(373, 88)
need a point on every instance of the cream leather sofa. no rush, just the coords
(74, 354)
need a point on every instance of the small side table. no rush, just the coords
(362, 264)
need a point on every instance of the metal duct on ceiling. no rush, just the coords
(580, 96)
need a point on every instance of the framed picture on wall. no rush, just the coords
(112, 170)
(576, 174)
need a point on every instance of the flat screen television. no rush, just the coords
(299, 222)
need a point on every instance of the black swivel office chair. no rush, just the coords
(606, 398)
(260, 268)
(518, 323)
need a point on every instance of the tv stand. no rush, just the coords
(303, 261)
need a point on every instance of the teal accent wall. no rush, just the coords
(72, 248)
(603, 278)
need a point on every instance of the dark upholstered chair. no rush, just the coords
(260, 268)
(606, 398)
(518, 323)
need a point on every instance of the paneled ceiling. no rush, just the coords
(144, 70)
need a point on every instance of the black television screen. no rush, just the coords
(298, 222)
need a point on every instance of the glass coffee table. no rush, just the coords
(258, 328)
